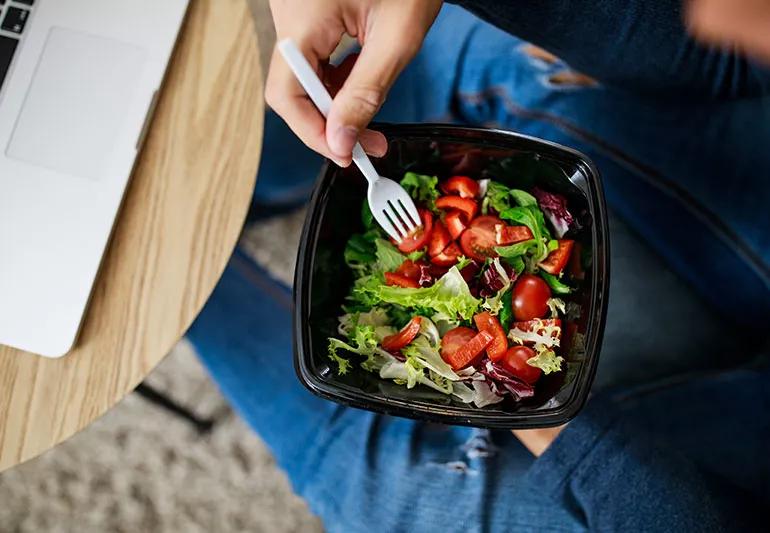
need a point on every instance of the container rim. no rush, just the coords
(590, 186)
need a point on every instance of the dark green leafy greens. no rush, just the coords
(424, 189)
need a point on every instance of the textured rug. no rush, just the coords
(139, 468)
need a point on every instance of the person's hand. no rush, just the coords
(744, 23)
(537, 440)
(390, 33)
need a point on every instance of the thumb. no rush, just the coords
(364, 91)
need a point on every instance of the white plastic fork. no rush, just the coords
(391, 205)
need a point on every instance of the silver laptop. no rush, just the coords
(77, 79)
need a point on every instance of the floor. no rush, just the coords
(138, 468)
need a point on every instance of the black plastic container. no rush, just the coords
(322, 279)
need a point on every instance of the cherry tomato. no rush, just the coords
(462, 186)
(530, 297)
(557, 260)
(461, 346)
(478, 241)
(455, 223)
(448, 257)
(515, 362)
(439, 239)
(398, 280)
(419, 237)
(393, 343)
(467, 206)
(486, 322)
(505, 234)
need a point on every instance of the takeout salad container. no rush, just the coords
(322, 278)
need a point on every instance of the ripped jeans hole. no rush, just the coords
(539, 57)
(479, 445)
(458, 467)
(569, 79)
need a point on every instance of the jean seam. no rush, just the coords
(710, 219)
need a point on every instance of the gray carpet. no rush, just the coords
(138, 468)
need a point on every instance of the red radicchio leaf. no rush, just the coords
(503, 381)
(491, 280)
(470, 271)
(554, 207)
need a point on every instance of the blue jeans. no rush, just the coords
(667, 442)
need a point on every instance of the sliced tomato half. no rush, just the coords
(448, 257)
(462, 186)
(399, 280)
(393, 343)
(419, 237)
(478, 241)
(467, 206)
(460, 355)
(505, 234)
(455, 223)
(557, 260)
(410, 269)
(486, 322)
(439, 239)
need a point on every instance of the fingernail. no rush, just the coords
(342, 141)
(341, 163)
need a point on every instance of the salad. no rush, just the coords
(469, 304)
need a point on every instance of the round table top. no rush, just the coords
(181, 218)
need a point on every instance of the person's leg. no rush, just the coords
(687, 175)
(365, 472)
(361, 471)
(639, 46)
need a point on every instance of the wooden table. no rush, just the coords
(180, 221)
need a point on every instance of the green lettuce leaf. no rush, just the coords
(362, 342)
(498, 197)
(449, 295)
(366, 290)
(359, 252)
(367, 218)
(532, 217)
(523, 198)
(376, 317)
(424, 189)
(429, 357)
(388, 256)
(516, 250)
(463, 262)
(546, 360)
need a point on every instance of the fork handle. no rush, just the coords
(321, 98)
